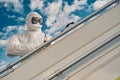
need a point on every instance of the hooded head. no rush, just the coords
(33, 25)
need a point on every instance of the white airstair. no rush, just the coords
(83, 52)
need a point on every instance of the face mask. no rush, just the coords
(34, 27)
(36, 20)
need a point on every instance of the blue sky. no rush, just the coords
(56, 15)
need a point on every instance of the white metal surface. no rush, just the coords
(97, 64)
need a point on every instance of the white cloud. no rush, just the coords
(36, 4)
(3, 64)
(19, 28)
(57, 15)
(62, 21)
(58, 18)
(18, 6)
(78, 5)
(1, 33)
(99, 3)
(3, 43)
(52, 12)
(53, 8)
(13, 16)
(11, 30)
(20, 19)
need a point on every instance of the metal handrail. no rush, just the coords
(9, 67)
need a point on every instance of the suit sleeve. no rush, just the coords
(15, 47)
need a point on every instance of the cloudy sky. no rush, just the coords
(56, 15)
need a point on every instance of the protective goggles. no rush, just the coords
(36, 20)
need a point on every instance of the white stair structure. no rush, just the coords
(81, 54)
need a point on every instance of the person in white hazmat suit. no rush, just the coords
(21, 44)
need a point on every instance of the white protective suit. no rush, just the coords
(21, 44)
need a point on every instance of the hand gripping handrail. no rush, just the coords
(9, 68)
